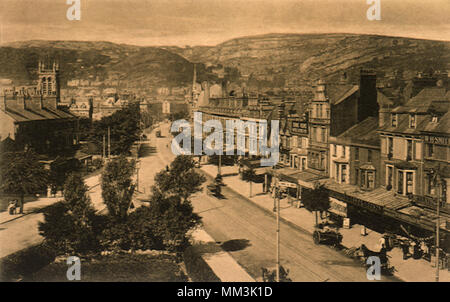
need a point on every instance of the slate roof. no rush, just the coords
(336, 93)
(25, 115)
(442, 126)
(364, 132)
(429, 99)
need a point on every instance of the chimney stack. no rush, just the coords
(367, 103)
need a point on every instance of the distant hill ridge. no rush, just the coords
(269, 60)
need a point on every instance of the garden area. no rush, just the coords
(147, 243)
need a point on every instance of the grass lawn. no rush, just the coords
(117, 268)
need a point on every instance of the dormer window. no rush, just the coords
(412, 121)
(434, 119)
(394, 120)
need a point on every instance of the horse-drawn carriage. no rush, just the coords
(363, 253)
(323, 234)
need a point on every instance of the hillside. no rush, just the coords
(295, 58)
(273, 60)
(96, 61)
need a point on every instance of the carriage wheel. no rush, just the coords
(316, 237)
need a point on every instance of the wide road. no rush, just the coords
(248, 233)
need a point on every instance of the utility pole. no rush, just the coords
(220, 165)
(109, 143)
(278, 235)
(104, 146)
(437, 229)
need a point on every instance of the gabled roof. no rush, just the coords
(336, 93)
(428, 99)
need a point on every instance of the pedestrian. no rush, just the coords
(12, 207)
(405, 249)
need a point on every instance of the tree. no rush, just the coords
(72, 226)
(117, 187)
(60, 168)
(316, 200)
(172, 218)
(124, 128)
(248, 175)
(21, 173)
(180, 179)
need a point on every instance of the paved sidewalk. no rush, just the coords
(34, 206)
(301, 218)
(221, 262)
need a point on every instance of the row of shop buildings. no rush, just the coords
(384, 160)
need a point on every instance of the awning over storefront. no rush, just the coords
(303, 178)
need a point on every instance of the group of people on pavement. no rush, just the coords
(13, 206)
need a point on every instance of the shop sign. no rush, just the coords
(440, 140)
(338, 207)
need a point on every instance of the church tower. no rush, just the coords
(48, 80)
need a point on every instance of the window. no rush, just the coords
(434, 119)
(334, 147)
(344, 174)
(343, 151)
(356, 153)
(320, 111)
(412, 121)
(369, 155)
(324, 139)
(390, 145)
(400, 183)
(390, 173)
(394, 120)
(409, 182)
(409, 150)
(430, 150)
(405, 184)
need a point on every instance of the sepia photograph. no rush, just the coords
(197, 142)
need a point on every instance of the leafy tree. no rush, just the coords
(124, 128)
(180, 179)
(21, 173)
(171, 219)
(316, 200)
(249, 175)
(60, 169)
(72, 226)
(118, 187)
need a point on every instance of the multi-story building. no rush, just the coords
(414, 146)
(33, 119)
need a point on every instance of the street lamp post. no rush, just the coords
(278, 235)
(436, 181)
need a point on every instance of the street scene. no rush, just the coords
(245, 156)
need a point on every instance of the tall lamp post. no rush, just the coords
(437, 181)
(278, 234)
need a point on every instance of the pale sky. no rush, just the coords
(209, 22)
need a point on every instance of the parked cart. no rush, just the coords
(327, 235)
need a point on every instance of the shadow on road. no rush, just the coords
(235, 245)
(147, 150)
